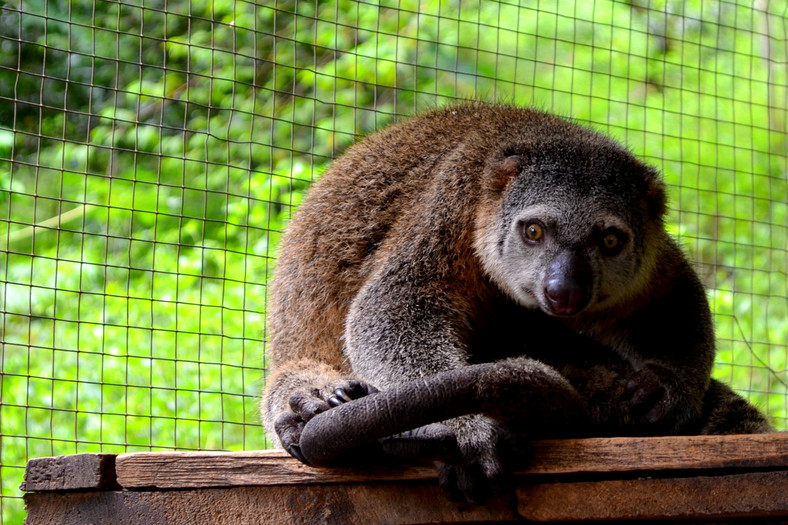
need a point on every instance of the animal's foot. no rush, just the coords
(306, 403)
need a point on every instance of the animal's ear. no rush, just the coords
(504, 171)
(656, 200)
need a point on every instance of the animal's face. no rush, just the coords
(565, 259)
(576, 235)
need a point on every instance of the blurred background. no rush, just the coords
(151, 153)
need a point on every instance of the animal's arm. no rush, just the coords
(407, 323)
(399, 332)
(673, 344)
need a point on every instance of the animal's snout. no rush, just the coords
(568, 287)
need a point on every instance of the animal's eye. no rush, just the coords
(533, 232)
(612, 241)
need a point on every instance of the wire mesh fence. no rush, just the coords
(151, 153)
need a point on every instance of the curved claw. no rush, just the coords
(339, 397)
(295, 451)
(342, 395)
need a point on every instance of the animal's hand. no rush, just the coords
(308, 402)
(657, 397)
(476, 473)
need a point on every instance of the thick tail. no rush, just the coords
(511, 389)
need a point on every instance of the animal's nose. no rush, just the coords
(568, 287)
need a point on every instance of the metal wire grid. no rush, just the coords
(150, 154)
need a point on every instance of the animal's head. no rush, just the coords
(572, 221)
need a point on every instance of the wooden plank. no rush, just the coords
(575, 456)
(571, 456)
(697, 478)
(377, 503)
(74, 472)
(751, 495)
(171, 470)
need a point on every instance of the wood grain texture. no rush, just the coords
(751, 495)
(74, 472)
(286, 505)
(695, 479)
(571, 456)
(659, 453)
(169, 470)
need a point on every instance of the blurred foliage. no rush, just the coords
(151, 153)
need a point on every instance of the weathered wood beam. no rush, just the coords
(751, 495)
(370, 504)
(75, 472)
(691, 479)
(570, 456)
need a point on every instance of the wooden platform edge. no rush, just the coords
(553, 457)
(741, 499)
(739, 479)
(178, 470)
(73, 472)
